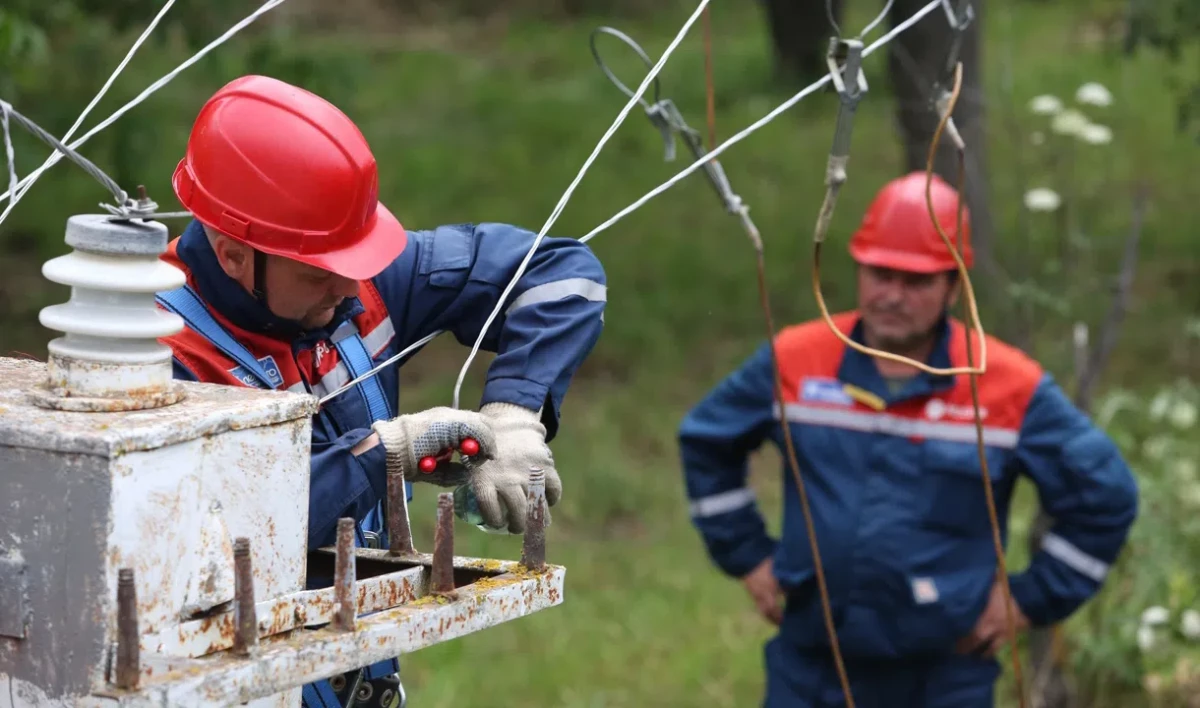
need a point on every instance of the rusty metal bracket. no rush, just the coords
(14, 606)
(398, 610)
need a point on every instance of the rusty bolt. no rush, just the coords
(400, 541)
(533, 547)
(443, 546)
(345, 608)
(245, 628)
(128, 656)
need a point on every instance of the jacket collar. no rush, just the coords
(859, 369)
(230, 299)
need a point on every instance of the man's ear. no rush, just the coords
(956, 288)
(236, 258)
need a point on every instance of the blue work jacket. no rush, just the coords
(448, 278)
(896, 488)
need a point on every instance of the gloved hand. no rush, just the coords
(501, 485)
(408, 438)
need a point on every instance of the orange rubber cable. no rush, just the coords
(789, 444)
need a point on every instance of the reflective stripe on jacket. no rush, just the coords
(896, 490)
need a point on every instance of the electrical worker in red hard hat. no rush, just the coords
(889, 461)
(300, 279)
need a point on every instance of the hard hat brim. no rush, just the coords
(904, 261)
(383, 241)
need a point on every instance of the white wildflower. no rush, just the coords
(1184, 469)
(1183, 414)
(1095, 134)
(1160, 405)
(1158, 447)
(1191, 495)
(1094, 94)
(1145, 638)
(1190, 624)
(1155, 615)
(1042, 199)
(1069, 122)
(1046, 105)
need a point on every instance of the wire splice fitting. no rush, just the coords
(851, 85)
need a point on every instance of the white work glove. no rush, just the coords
(501, 485)
(408, 438)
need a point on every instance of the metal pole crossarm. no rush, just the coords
(397, 614)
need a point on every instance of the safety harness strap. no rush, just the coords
(319, 695)
(187, 304)
(184, 302)
(354, 354)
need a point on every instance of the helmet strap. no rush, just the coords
(260, 277)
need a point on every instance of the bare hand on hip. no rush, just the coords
(765, 591)
(991, 629)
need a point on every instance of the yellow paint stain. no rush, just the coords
(864, 397)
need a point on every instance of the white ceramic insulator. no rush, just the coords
(111, 322)
(112, 297)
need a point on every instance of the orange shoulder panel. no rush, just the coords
(810, 349)
(1011, 378)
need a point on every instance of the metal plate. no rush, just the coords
(14, 608)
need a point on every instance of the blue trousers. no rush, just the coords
(807, 678)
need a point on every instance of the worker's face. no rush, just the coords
(295, 291)
(900, 308)
(301, 292)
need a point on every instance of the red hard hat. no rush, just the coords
(897, 232)
(283, 170)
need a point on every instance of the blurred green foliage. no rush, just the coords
(483, 114)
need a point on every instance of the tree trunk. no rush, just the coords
(800, 33)
(916, 60)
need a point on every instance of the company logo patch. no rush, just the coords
(924, 591)
(936, 409)
(825, 391)
(269, 368)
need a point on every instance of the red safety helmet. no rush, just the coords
(897, 233)
(283, 170)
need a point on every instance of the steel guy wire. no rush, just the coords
(98, 174)
(55, 157)
(879, 18)
(570, 190)
(410, 349)
(665, 116)
(733, 203)
(8, 147)
(805, 92)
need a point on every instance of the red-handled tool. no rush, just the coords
(469, 446)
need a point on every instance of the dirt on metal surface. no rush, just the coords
(208, 409)
(306, 608)
(300, 657)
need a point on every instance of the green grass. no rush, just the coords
(472, 125)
